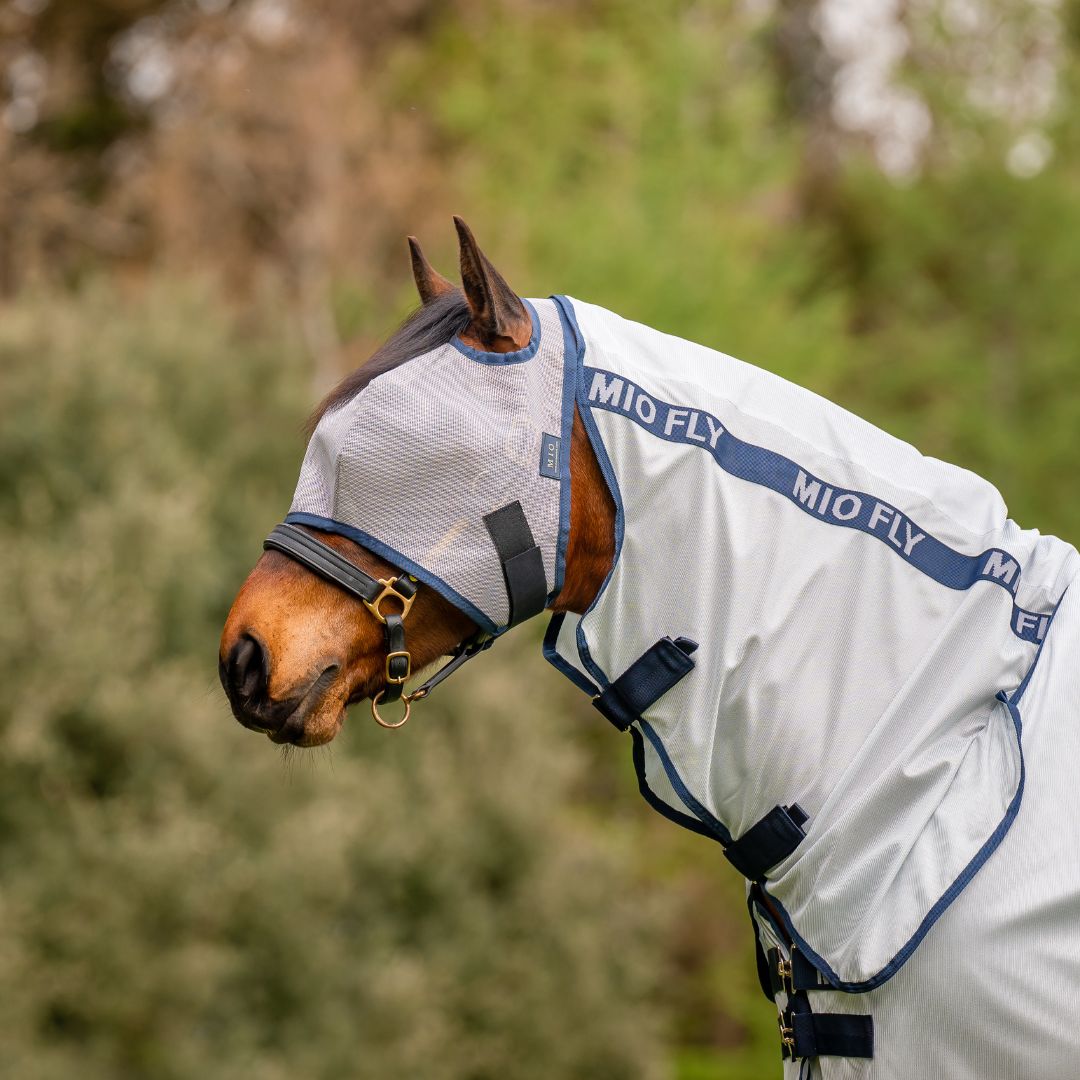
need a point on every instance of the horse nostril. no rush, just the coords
(247, 668)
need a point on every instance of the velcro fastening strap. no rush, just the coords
(830, 1034)
(768, 842)
(522, 562)
(646, 680)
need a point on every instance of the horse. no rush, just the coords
(835, 657)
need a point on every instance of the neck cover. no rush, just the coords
(413, 464)
(857, 609)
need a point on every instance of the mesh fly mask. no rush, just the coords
(454, 468)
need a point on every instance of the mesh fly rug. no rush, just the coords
(834, 656)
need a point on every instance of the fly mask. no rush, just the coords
(454, 468)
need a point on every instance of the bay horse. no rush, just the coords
(837, 658)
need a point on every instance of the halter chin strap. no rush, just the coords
(320, 558)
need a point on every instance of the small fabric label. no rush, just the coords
(550, 449)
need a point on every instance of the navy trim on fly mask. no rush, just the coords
(396, 558)
(323, 560)
(482, 357)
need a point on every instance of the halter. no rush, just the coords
(320, 558)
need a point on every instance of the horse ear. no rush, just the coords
(500, 322)
(429, 282)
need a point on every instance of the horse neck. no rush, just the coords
(590, 547)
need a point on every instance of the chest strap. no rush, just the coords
(806, 1034)
(786, 976)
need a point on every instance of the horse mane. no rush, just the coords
(429, 326)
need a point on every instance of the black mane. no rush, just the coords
(430, 326)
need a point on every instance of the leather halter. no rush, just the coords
(320, 558)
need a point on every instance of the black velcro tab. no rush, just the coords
(522, 562)
(768, 842)
(832, 1035)
(646, 680)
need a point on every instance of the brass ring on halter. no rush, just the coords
(386, 723)
(389, 588)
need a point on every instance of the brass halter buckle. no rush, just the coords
(389, 590)
(408, 667)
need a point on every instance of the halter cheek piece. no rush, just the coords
(320, 558)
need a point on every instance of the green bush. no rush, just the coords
(178, 900)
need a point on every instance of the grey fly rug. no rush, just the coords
(835, 657)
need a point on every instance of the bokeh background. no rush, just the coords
(202, 217)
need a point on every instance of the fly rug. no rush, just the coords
(836, 657)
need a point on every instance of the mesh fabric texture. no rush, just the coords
(411, 464)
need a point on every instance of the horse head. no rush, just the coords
(321, 621)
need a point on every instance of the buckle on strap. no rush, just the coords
(806, 1034)
(400, 654)
(404, 593)
(787, 1034)
(465, 651)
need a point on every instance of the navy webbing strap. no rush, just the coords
(647, 679)
(768, 842)
(809, 1034)
(522, 562)
(804, 1033)
(804, 976)
(798, 974)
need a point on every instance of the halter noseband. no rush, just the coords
(320, 558)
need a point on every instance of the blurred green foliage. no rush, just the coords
(177, 901)
(484, 894)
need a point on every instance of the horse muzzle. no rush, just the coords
(245, 677)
